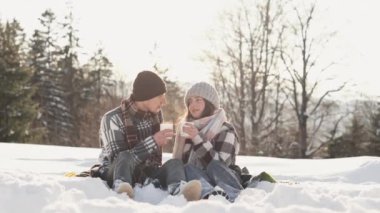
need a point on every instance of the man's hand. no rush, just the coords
(162, 137)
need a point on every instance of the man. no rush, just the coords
(132, 143)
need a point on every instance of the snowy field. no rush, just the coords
(32, 180)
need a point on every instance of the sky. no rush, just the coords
(32, 180)
(130, 30)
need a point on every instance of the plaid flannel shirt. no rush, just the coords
(223, 147)
(113, 140)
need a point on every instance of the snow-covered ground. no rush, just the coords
(32, 180)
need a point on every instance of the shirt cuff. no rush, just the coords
(151, 144)
(197, 140)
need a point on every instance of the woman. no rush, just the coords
(207, 143)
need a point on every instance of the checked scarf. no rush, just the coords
(207, 126)
(135, 133)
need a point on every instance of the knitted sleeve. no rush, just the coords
(178, 147)
(182, 147)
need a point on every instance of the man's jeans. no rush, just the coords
(216, 174)
(124, 167)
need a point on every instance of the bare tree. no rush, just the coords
(244, 63)
(300, 64)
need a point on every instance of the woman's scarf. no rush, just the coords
(207, 126)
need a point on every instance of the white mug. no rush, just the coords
(166, 126)
(184, 134)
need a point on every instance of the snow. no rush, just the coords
(32, 180)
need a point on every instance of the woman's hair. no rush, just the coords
(207, 111)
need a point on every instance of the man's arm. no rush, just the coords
(112, 136)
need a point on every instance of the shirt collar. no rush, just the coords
(136, 112)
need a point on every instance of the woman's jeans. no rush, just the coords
(216, 174)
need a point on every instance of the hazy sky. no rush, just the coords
(129, 29)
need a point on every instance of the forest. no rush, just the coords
(263, 61)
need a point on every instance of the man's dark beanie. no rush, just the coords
(147, 85)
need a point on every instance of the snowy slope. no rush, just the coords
(32, 180)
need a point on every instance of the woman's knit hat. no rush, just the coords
(147, 85)
(204, 90)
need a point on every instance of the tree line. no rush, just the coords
(266, 57)
(48, 96)
(262, 61)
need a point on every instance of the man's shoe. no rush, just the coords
(123, 187)
(191, 190)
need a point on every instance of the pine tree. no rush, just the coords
(17, 110)
(374, 147)
(353, 142)
(99, 71)
(44, 57)
(71, 79)
(98, 96)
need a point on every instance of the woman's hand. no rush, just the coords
(190, 129)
